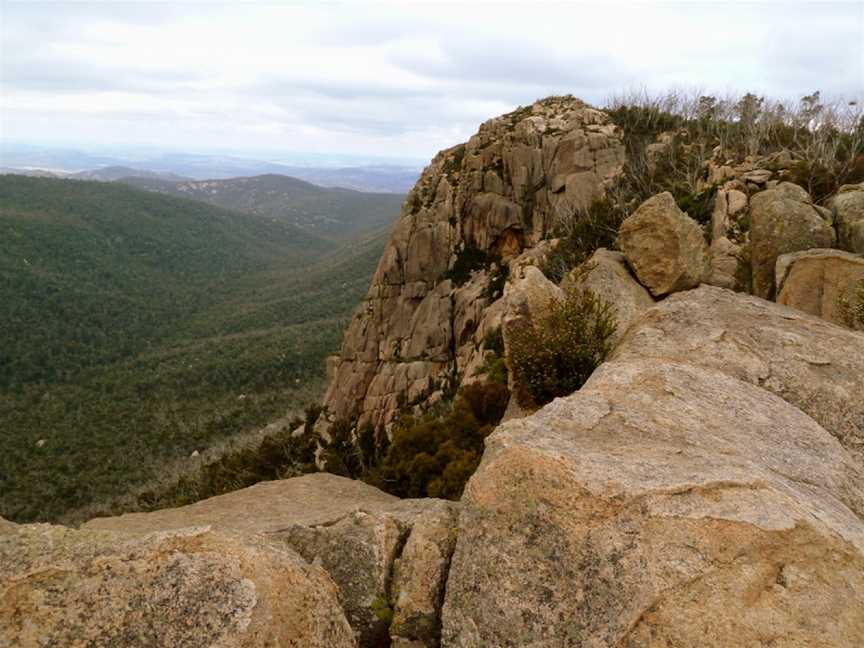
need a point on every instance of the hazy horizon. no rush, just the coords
(384, 80)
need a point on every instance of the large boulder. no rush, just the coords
(848, 207)
(783, 219)
(664, 246)
(816, 281)
(663, 504)
(190, 587)
(812, 364)
(356, 532)
(6, 526)
(606, 275)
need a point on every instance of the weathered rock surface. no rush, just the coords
(189, 587)
(783, 220)
(607, 276)
(811, 363)
(420, 575)
(354, 531)
(484, 201)
(663, 504)
(815, 281)
(848, 207)
(664, 246)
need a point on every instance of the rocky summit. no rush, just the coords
(476, 208)
(704, 487)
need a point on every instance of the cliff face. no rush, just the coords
(476, 207)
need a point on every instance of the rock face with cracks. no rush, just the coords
(664, 504)
(478, 203)
(388, 557)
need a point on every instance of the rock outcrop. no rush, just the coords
(816, 281)
(670, 501)
(848, 208)
(812, 364)
(783, 220)
(665, 247)
(477, 203)
(188, 587)
(388, 557)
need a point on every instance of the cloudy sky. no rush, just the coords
(392, 79)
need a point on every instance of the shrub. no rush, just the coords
(580, 233)
(554, 354)
(468, 259)
(434, 456)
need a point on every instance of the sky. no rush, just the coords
(394, 79)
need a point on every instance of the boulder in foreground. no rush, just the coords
(675, 500)
(388, 557)
(192, 587)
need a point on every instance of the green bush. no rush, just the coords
(434, 456)
(556, 353)
(580, 233)
(468, 260)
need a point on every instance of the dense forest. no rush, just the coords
(138, 328)
(329, 212)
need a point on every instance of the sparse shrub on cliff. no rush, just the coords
(556, 353)
(852, 307)
(826, 140)
(434, 456)
(580, 232)
(468, 259)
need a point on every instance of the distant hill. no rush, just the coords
(111, 173)
(33, 173)
(138, 327)
(330, 170)
(337, 214)
(382, 178)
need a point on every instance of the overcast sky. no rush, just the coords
(392, 79)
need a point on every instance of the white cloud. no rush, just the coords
(386, 78)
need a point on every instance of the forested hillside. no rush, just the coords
(332, 213)
(138, 328)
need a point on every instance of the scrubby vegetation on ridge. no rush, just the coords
(669, 139)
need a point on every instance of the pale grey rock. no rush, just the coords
(662, 504)
(354, 531)
(813, 364)
(188, 587)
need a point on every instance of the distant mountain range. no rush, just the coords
(391, 177)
